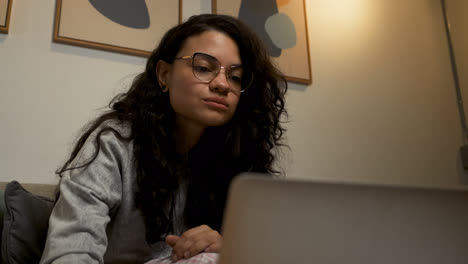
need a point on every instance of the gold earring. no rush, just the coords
(164, 88)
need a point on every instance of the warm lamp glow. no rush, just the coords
(344, 13)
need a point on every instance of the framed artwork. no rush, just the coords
(282, 25)
(5, 11)
(125, 26)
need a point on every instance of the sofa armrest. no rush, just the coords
(2, 209)
(45, 190)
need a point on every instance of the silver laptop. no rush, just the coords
(271, 221)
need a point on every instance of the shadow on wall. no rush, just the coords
(297, 86)
(462, 173)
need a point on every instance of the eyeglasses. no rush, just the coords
(206, 67)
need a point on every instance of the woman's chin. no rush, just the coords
(215, 122)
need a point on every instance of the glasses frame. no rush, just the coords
(192, 57)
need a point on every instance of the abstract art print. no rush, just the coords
(126, 26)
(282, 25)
(5, 11)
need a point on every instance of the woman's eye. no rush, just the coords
(236, 79)
(202, 69)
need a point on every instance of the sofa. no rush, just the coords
(24, 215)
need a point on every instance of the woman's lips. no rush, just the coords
(217, 102)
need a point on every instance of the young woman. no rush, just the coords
(148, 179)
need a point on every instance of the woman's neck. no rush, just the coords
(187, 135)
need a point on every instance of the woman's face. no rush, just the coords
(199, 104)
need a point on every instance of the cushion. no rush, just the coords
(2, 209)
(25, 224)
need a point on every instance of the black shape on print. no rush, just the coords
(129, 13)
(255, 13)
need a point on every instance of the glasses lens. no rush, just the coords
(235, 77)
(205, 67)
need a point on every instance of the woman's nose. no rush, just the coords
(220, 82)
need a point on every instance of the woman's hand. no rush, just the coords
(193, 241)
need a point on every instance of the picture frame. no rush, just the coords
(5, 13)
(282, 25)
(113, 26)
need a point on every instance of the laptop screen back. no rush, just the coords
(286, 221)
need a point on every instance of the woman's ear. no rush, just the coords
(163, 70)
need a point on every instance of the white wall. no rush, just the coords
(381, 108)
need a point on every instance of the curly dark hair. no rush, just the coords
(243, 144)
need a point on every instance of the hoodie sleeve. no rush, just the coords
(88, 195)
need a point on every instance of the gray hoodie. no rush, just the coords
(95, 219)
